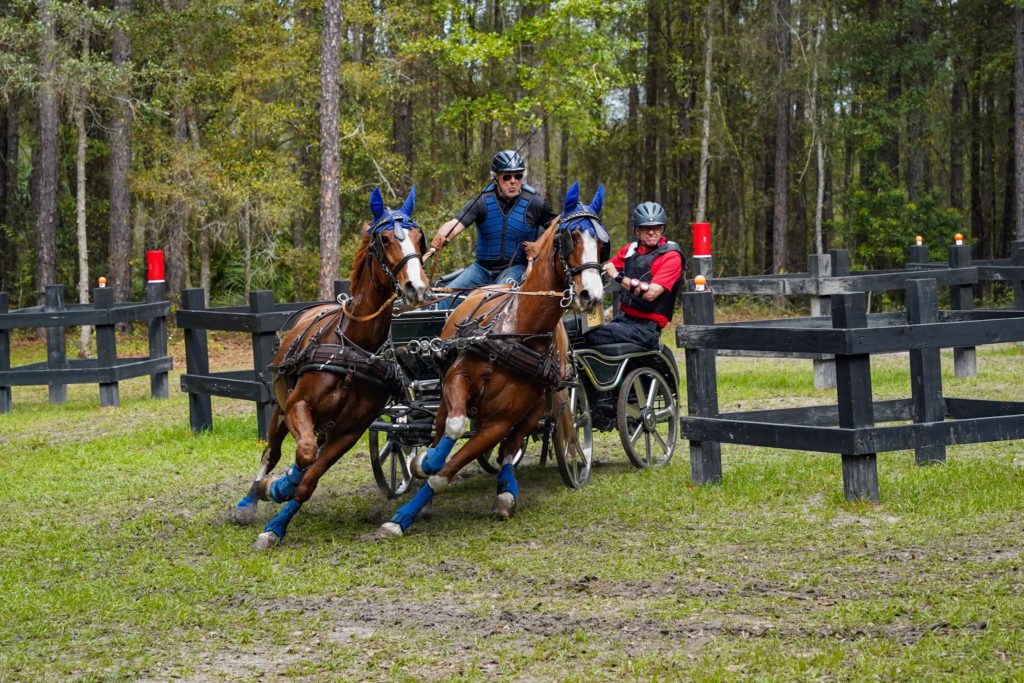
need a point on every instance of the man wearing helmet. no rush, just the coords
(649, 272)
(507, 213)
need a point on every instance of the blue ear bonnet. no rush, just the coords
(584, 217)
(386, 219)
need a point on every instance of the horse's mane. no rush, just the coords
(362, 255)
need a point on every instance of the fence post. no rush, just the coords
(56, 344)
(702, 389)
(840, 262)
(5, 355)
(1017, 259)
(106, 344)
(263, 345)
(158, 383)
(918, 254)
(820, 266)
(853, 388)
(197, 362)
(961, 298)
(925, 366)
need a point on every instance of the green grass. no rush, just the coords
(116, 561)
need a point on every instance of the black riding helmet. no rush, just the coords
(507, 160)
(649, 213)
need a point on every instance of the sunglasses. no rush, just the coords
(509, 176)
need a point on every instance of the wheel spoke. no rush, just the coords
(663, 413)
(652, 393)
(647, 444)
(633, 411)
(638, 389)
(636, 434)
(664, 446)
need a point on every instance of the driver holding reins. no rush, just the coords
(507, 213)
(649, 272)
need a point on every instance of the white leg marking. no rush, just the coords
(437, 482)
(455, 426)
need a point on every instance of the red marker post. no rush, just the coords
(154, 266)
(702, 249)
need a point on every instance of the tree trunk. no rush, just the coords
(705, 131)
(977, 210)
(1018, 118)
(648, 161)
(85, 332)
(956, 139)
(204, 262)
(632, 146)
(780, 197)
(46, 216)
(10, 210)
(817, 134)
(563, 167)
(435, 136)
(402, 134)
(330, 208)
(120, 164)
(917, 149)
(5, 245)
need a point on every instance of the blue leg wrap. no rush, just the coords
(507, 480)
(437, 455)
(284, 488)
(250, 499)
(407, 513)
(279, 524)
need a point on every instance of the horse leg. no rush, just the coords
(479, 443)
(245, 511)
(282, 488)
(508, 487)
(275, 530)
(451, 416)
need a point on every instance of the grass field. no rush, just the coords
(116, 560)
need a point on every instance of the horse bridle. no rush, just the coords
(564, 247)
(377, 249)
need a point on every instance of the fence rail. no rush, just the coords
(262, 319)
(106, 370)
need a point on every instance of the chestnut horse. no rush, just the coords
(507, 352)
(329, 376)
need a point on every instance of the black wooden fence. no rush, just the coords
(262, 319)
(106, 369)
(830, 274)
(849, 427)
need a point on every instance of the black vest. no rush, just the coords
(638, 266)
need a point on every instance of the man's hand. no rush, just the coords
(438, 242)
(611, 270)
(530, 249)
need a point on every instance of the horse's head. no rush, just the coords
(397, 245)
(582, 245)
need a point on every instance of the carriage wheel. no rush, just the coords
(390, 463)
(576, 454)
(647, 418)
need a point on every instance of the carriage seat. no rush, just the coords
(617, 349)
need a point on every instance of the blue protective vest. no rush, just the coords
(500, 235)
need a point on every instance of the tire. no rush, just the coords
(575, 456)
(648, 418)
(390, 462)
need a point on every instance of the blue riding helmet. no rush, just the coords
(507, 161)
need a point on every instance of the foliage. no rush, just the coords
(883, 223)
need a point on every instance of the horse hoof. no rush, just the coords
(263, 487)
(266, 541)
(243, 516)
(389, 530)
(505, 506)
(416, 466)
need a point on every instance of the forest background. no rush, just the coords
(243, 137)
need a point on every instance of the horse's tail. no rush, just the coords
(565, 431)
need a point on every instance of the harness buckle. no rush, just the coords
(343, 298)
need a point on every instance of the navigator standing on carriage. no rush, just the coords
(649, 271)
(507, 213)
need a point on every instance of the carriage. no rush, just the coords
(620, 387)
